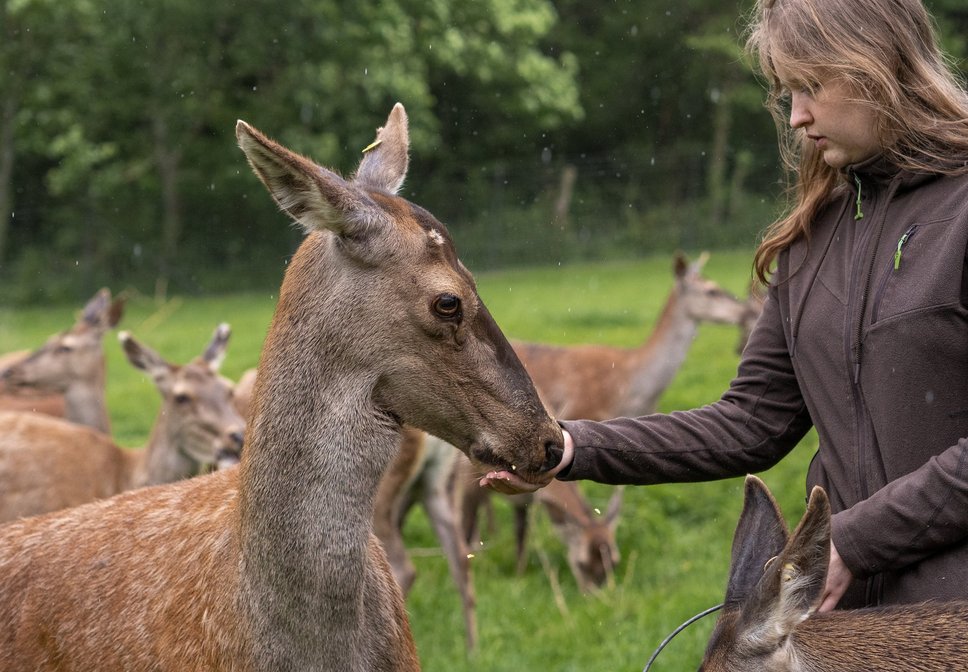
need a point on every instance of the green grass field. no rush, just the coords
(674, 539)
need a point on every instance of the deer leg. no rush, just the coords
(391, 504)
(441, 495)
(521, 535)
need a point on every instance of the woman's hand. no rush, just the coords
(509, 483)
(838, 579)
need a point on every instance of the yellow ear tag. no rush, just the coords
(373, 145)
(789, 571)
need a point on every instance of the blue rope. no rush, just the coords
(677, 631)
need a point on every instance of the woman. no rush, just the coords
(864, 333)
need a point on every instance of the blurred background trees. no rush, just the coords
(543, 131)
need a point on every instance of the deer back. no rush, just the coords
(770, 622)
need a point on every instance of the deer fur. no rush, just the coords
(770, 621)
(273, 565)
(48, 464)
(65, 377)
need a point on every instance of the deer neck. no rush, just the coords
(315, 452)
(656, 362)
(161, 460)
(84, 403)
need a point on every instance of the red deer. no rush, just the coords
(770, 621)
(65, 377)
(47, 464)
(273, 565)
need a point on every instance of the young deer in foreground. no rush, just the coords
(47, 464)
(65, 377)
(770, 621)
(272, 565)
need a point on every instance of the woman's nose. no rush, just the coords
(799, 110)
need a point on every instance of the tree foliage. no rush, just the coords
(118, 163)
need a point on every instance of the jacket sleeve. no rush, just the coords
(758, 420)
(909, 519)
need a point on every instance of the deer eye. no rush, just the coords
(447, 306)
(182, 399)
(62, 349)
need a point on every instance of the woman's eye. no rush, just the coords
(447, 306)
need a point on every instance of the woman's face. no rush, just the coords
(843, 129)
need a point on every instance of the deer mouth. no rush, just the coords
(487, 460)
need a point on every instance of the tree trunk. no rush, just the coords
(565, 189)
(168, 160)
(7, 154)
(716, 176)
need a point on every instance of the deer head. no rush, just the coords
(590, 538)
(775, 582)
(399, 311)
(703, 299)
(198, 415)
(71, 356)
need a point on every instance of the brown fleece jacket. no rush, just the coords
(864, 335)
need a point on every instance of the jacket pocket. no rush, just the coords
(923, 270)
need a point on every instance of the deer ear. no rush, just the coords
(214, 353)
(680, 265)
(793, 584)
(314, 197)
(144, 358)
(804, 561)
(96, 312)
(760, 537)
(384, 163)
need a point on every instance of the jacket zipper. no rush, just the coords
(894, 266)
(858, 335)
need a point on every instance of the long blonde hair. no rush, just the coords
(886, 51)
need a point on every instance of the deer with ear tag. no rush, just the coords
(770, 621)
(273, 565)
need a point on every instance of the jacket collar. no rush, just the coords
(880, 170)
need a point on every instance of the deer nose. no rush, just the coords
(553, 454)
(238, 439)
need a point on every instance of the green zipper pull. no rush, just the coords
(858, 214)
(897, 253)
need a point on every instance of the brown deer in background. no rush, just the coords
(598, 382)
(65, 377)
(770, 621)
(273, 565)
(47, 464)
